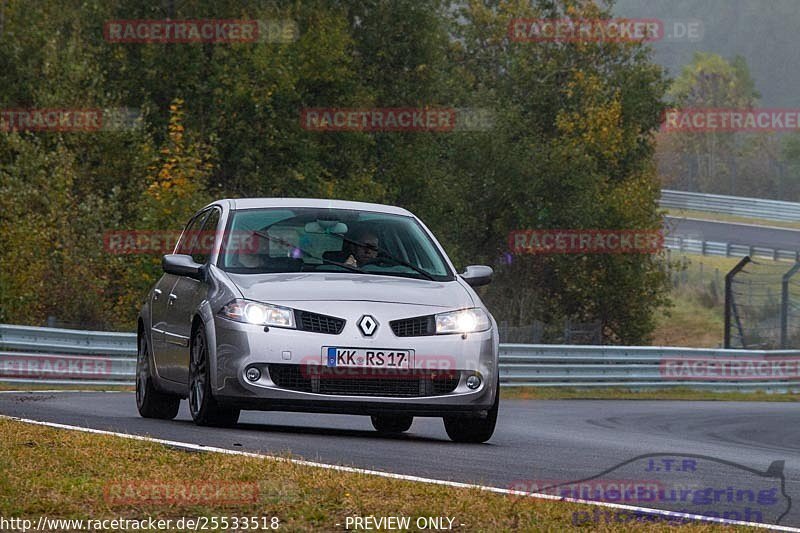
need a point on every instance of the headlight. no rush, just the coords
(258, 313)
(463, 321)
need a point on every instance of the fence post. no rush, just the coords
(785, 305)
(729, 298)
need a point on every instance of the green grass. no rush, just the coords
(689, 323)
(696, 318)
(67, 474)
(12, 386)
(689, 213)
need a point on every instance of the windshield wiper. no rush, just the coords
(387, 255)
(307, 253)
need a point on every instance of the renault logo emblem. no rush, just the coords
(368, 325)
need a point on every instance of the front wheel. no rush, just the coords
(151, 402)
(202, 405)
(392, 425)
(474, 430)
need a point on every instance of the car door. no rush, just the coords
(158, 315)
(160, 307)
(184, 300)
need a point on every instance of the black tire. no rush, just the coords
(471, 429)
(392, 424)
(150, 402)
(203, 406)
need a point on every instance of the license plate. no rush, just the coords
(368, 357)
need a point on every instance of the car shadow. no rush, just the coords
(326, 431)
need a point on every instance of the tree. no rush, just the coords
(572, 149)
(715, 161)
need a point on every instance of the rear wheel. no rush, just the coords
(202, 405)
(150, 402)
(474, 430)
(392, 424)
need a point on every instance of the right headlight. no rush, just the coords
(258, 313)
(462, 321)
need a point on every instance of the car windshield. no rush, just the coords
(276, 240)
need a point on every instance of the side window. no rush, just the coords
(186, 242)
(204, 244)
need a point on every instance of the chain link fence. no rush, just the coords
(762, 305)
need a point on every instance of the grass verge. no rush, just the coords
(690, 322)
(696, 318)
(535, 393)
(12, 386)
(67, 474)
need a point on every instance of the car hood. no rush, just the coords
(350, 287)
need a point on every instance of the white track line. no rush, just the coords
(456, 484)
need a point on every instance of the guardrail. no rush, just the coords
(54, 356)
(637, 367)
(731, 205)
(697, 246)
(521, 365)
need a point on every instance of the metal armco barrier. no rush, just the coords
(66, 341)
(90, 357)
(731, 205)
(636, 367)
(695, 246)
(54, 356)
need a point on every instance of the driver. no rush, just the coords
(360, 255)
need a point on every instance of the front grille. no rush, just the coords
(414, 327)
(317, 323)
(363, 381)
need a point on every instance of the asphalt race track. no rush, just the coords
(725, 446)
(733, 233)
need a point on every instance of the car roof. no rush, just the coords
(255, 203)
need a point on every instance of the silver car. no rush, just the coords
(317, 306)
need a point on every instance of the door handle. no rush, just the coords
(172, 298)
(156, 294)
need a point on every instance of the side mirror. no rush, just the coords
(182, 265)
(477, 275)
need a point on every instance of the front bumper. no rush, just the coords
(237, 347)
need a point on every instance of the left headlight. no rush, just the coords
(462, 321)
(258, 313)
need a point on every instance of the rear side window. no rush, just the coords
(204, 243)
